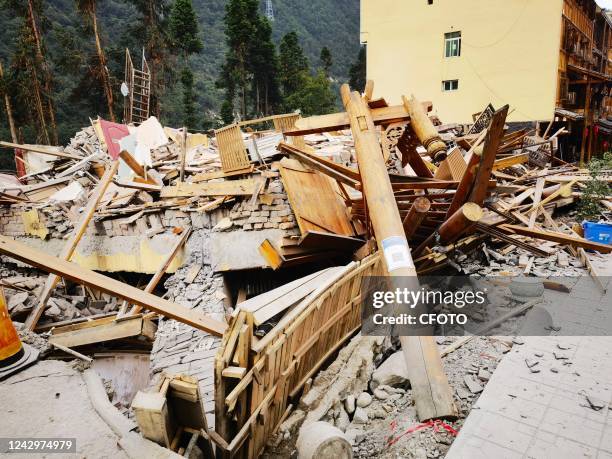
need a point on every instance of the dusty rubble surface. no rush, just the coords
(58, 406)
(381, 420)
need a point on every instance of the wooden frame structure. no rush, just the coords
(255, 379)
(233, 152)
(136, 105)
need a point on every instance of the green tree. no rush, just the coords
(263, 63)
(293, 64)
(30, 71)
(313, 97)
(189, 106)
(184, 28)
(184, 32)
(357, 72)
(151, 32)
(326, 60)
(240, 28)
(88, 9)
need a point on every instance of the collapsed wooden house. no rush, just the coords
(292, 220)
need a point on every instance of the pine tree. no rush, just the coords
(357, 72)
(326, 60)
(251, 64)
(184, 28)
(293, 64)
(263, 63)
(30, 73)
(88, 9)
(184, 33)
(189, 106)
(152, 34)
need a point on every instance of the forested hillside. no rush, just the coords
(70, 52)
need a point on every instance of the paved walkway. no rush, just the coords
(550, 397)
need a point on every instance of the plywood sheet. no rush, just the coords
(315, 202)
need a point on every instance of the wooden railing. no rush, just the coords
(256, 379)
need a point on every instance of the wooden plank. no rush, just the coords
(101, 333)
(74, 272)
(319, 241)
(41, 149)
(162, 268)
(337, 172)
(316, 204)
(489, 150)
(558, 237)
(244, 187)
(537, 197)
(509, 161)
(338, 121)
(73, 242)
(204, 176)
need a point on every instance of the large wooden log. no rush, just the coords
(431, 391)
(424, 129)
(415, 216)
(161, 270)
(469, 214)
(75, 273)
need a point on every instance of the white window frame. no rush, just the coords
(452, 44)
(450, 85)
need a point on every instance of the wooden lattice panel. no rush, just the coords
(232, 150)
(249, 409)
(283, 123)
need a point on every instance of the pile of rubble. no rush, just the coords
(220, 248)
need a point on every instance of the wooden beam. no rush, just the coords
(416, 215)
(74, 272)
(413, 158)
(502, 163)
(131, 162)
(42, 149)
(537, 197)
(558, 237)
(431, 391)
(245, 187)
(461, 220)
(73, 242)
(424, 129)
(338, 121)
(489, 150)
(162, 269)
(467, 181)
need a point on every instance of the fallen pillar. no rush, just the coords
(424, 129)
(432, 393)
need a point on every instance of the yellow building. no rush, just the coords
(547, 59)
(465, 54)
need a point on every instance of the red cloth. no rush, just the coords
(113, 133)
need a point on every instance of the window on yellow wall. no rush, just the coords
(452, 44)
(450, 85)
